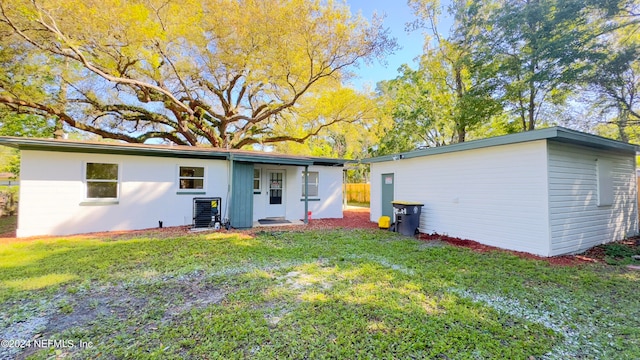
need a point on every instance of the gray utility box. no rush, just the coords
(407, 217)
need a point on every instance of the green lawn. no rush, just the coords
(326, 294)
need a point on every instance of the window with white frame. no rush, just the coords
(312, 178)
(604, 169)
(101, 181)
(257, 182)
(191, 178)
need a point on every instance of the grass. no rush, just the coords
(324, 294)
(621, 253)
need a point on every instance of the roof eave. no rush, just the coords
(590, 140)
(44, 145)
(257, 159)
(552, 134)
(194, 153)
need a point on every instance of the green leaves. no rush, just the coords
(515, 65)
(539, 51)
(25, 125)
(219, 72)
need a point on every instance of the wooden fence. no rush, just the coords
(357, 193)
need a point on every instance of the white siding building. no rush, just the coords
(547, 192)
(72, 187)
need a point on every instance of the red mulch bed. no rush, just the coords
(565, 260)
(353, 218)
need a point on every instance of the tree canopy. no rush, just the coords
(227, 73)
(506, 66)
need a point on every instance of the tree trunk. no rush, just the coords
(58, 132)
(532, 100)
(461, 126)
(532, 112)
(462, 133)
(622, 122)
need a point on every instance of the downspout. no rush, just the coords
(306, 194)
(344, 188)
(230, 188)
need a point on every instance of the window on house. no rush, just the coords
(257, 185)
(191, 178)
(101, 180)
(605, 182)
(312, 177)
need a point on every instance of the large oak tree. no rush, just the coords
(227, 73)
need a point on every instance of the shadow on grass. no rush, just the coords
(347, 294)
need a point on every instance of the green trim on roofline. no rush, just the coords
(558, 134)
(166, 151)
(271, 160)
(109, 148)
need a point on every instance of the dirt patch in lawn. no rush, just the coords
(144, 307)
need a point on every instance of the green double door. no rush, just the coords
(241, 212)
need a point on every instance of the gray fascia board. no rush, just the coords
(330, 161)
(257, 159)
(590, 140)
(120, 149)
(553, 133)
(116, 149)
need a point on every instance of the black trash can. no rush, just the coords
(407, 216)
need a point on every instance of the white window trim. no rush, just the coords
(605, 186)
(191, 191)
(100, 201)
(259, 178)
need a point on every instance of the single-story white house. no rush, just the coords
(69, 187)
(547, 192)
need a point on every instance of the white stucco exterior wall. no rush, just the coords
(328, 203)
(52, 193)
(577, 222)
(52, 190)
(496, 195)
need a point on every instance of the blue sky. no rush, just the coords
(397, 14)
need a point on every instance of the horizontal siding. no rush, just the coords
(496, 196)
(576, 221)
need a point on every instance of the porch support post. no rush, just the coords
(230, 189)
(306, 194)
